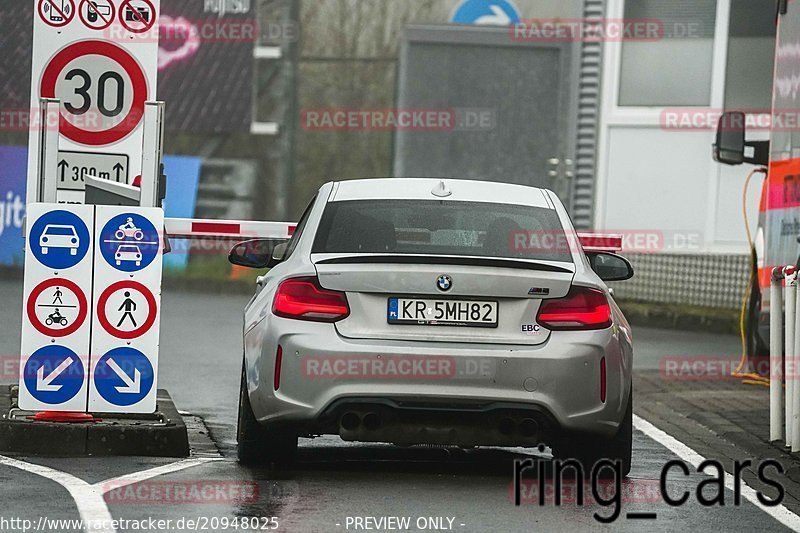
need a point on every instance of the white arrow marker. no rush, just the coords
(45, 384)
(500, 17)
(132, 386)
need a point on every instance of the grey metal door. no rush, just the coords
(527, 88)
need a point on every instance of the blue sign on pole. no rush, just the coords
(53, 374)
(129, 242)
(486, 12)
(59, 240)
(180, 202)
(123, 376)
(13, 173)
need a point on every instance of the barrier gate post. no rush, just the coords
(791, 373)
(776, 356)
(789, 318)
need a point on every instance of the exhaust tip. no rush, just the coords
(506, 426)
(372, 421)
(528, 427)
(350, 421)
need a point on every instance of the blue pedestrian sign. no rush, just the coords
(124, 376)
(54, 375)
(59, 240)
(486, 12)
(129, 242)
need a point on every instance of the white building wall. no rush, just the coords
(651, 178)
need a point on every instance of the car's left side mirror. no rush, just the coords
(611, 267)
(257, 253)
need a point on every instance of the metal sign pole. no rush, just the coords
(791, 296)
(152, 153)
(776, 356)
(47, 167)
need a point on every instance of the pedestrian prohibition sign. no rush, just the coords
(57, 307)
(127, 309)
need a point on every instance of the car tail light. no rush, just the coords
(582, 309)
(304, 299)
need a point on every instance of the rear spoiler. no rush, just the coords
(600, 242)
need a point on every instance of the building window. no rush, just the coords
(674, 69)
(751, 55)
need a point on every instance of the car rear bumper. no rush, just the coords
(467, 394)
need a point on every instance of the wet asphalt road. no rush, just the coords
(335, 483)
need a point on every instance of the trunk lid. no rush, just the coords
(516, 286)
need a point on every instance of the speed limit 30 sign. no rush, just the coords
(102, 65)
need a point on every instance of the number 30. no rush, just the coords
(83, 92)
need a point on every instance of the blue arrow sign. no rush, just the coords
(129, 242)
(124, 376)
(59, 239)
(486, 12)
(53, 374)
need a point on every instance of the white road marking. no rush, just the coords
(144, 475)
(779, 512)
(92, 507)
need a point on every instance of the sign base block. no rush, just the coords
(163, 434)
(64, 418)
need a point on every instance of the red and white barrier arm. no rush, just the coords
(600, 242)
(188, 228)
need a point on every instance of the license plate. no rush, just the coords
(423, 312)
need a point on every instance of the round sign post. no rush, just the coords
(102, 310)
(124, 64)
(97, 14)
(56, 13)
(46, 329)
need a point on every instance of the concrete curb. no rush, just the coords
(162, 434)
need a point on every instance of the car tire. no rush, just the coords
(619, 448)
(258, 445)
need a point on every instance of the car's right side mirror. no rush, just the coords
(257, 253)
(729, 147)
(611, 267)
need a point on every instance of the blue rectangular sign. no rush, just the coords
(13, 174)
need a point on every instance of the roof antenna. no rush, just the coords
(441, 190)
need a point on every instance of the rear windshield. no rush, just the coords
(434, 227)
